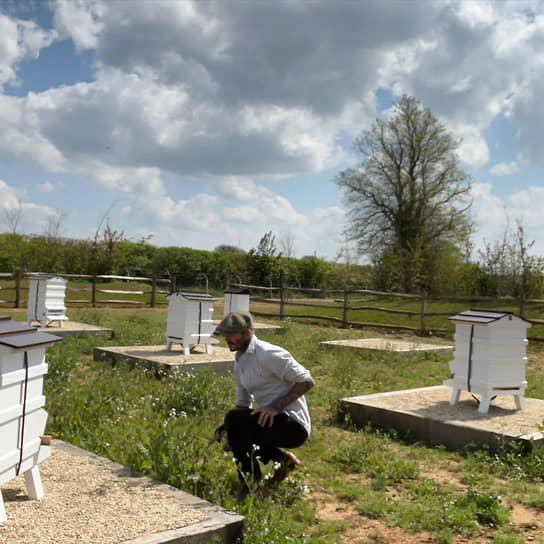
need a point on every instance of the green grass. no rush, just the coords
(326, 307)
(164, 428)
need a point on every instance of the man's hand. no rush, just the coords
(266, 415)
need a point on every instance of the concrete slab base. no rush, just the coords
(426, 414)
(383, 344)
(190, 520)
(221, 360)
(73, 328)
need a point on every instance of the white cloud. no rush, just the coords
(323, 233)
(477, 60)
(505, 168)
(19, 40)
(236, 188)
(528, 202)
(494, 215)
(46, 187)
(10, 199)
(486, 206)
(473, 149)
(243, 108)
(266, 209)
(80, 20)
(32, 217)
(508, 168)
(233, 94)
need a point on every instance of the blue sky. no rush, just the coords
(208, 123)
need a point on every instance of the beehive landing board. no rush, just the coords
(426, 414)
(73, 328)
(384, 344)
(221, 360)
(91, 500)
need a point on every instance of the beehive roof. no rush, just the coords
(46, 277)
(14, 334)
(237, 291)
(192, 296)
(483, 316)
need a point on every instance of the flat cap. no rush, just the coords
(233, 323)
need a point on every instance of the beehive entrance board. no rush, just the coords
(489, 356)
(22, 417)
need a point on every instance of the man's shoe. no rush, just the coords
(287, 465)
(220, 435)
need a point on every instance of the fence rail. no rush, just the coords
(20, 287)
(346, 311)
(286, 301)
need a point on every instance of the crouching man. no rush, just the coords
(268, 376)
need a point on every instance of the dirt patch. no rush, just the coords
(526, 523)
(361, 529)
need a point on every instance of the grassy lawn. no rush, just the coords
(361, 486)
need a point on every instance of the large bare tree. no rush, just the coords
(408, 197)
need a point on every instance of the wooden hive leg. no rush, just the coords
(455, 393)
(208, 349)
(33, 483)
(485, 401)
(519, 399)
(2, 509)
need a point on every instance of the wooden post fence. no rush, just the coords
(18, 274)
(153, 291)
(172, 286)
(345, 309)
(282, 296)
(423, 312)
(93, 291)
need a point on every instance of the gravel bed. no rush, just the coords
(89, 499)
(386, 345)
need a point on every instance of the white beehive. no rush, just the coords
(236, 300)
(46, 300)
(22, 417)
(190, 321)
(489, 356)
